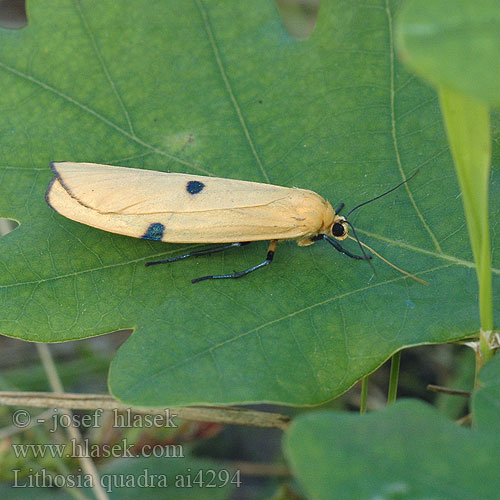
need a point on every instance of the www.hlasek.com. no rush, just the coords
(86, 449)
(197, 478)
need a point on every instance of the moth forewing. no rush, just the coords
(182, 208)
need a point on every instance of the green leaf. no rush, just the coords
(220, 87)
(467, 123)
(453, 44)
(406, 451)
(456, 49)
(486, 399)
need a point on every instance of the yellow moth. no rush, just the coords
(184, 208)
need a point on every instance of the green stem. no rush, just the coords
(364, 395)
(467, 124)
(393, 378)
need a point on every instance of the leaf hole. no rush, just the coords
(13, 14)
(7, 226)
(299, 16)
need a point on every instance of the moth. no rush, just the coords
(186, 208)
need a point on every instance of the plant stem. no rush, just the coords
(393, 378)
(364, 395)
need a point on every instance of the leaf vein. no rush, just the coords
(100, 117)
(229, 89)
(394, 134)
(105, 69)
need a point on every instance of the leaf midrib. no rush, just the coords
(400, 244)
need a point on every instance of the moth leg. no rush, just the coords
(198, 253)
(239, 274)
(341, 249)
(339, 208)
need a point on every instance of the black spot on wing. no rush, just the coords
(154, 232)
(194, 187)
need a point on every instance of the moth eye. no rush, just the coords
(338, 230)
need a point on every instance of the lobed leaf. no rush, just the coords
(219, 87)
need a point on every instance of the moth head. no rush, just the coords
(340, 228)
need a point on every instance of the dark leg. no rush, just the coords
(239, 274)
(339, 208)
(341, 249)
(198, 253)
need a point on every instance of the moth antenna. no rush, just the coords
(383, 194)
(361, 247)
(402, 271)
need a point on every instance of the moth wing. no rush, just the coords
(110, 189)
(238, 210)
